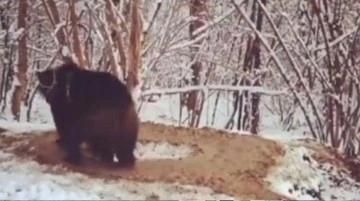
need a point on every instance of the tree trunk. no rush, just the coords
(6, 71)
(117, 37)
(197, 11)
(55, 18)
(249, 102)
(82, 59)
(134, 63)
(255, 97)
(20, 86)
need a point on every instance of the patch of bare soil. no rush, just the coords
(231, 164)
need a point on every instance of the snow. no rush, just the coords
(294, 177)
(15, 127)
(136, 92)
(18, 33)
(298, 176)
(161, 150)
(29, 180)
(22, 179)
(166, 60)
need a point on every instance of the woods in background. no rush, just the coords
(292, 58)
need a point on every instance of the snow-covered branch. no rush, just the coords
(251, 89)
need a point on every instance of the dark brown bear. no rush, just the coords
(92, 107)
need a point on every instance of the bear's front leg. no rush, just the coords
(60, 123)
(72, 141)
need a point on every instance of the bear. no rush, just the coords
(92, 107)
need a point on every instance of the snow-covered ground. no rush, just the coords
(23, 180)
(298, 175)
(301, 177)
(295, 177)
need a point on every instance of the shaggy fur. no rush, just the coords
(91, 107)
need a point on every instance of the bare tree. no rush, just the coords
(7, 71)
(54, 17)
(198, 12)
(134, 46)
(77, 47)
(246, 101)
(20, 86)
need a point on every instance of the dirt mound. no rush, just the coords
(230, 164)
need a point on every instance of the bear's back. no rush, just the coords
(99, 89)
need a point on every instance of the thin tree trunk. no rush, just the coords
(255, 97)
(197, 10)
(6, 69)
(83, 62)
(135, 46)
(250, 101)
(20, 87)
(53, 13)
(116, 34)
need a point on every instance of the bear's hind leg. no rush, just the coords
(125, 155)
(99, 146)
(107, 155)
(126, 160)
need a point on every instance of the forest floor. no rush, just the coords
(232, 165)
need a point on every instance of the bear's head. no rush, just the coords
(53, 83)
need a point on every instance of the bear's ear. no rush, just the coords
(45, 77)
(39, 73)
(40, 76)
